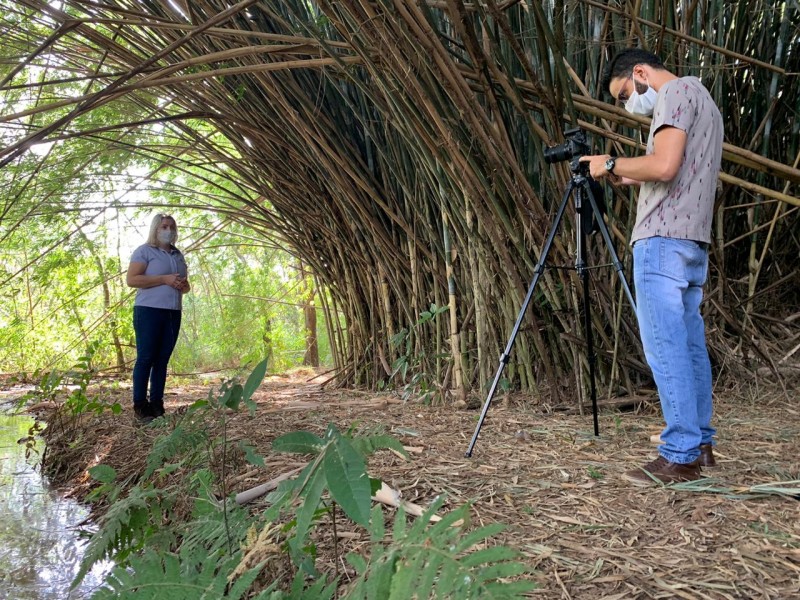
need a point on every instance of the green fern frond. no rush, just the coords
(243, 583)
(438, 562)
(210, 530)
(300, 590)
(191, 575)
(180, 440)
(122, 529)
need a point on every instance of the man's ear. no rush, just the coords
(641, 71)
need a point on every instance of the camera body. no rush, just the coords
(575, 146)
(572, 150)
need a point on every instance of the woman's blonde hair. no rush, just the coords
(152, 238)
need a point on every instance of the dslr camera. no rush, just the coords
(575, 146)
(572, 149)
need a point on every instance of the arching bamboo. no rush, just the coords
(359, 133)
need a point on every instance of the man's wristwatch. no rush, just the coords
(610, 162)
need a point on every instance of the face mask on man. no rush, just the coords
(165, 236)
(641, 104)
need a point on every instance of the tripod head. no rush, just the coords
(584, 185)
(578, 168)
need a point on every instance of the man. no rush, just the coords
(678, 178)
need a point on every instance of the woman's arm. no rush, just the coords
(137, 279)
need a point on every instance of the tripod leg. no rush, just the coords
(607, 239)
(584, 192)
(587, 327)
(504, 357)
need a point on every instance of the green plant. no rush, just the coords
(125, 528)
(205, 554)
(137, 520)
(436, 561)
(74, 384)
(420, 384)
(595, 473)
(191, 574)
(339, 467)
(78, 401)
(618, 425)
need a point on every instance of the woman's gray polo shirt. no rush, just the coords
(159, 262)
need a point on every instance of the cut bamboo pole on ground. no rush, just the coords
(248, 496)
(386, 495)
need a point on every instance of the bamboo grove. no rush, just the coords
(397, 148)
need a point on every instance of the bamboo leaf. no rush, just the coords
(312, 496)
(473, 537)
(299, 442)
(366, 445)
(255, 379)
(233, 397)
(347, 480)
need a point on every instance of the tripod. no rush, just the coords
(585, 206)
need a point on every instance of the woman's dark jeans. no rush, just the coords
(156, 333)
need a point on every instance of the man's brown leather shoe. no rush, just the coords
(706, 458)
(664, 471)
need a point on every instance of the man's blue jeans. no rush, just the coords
(669, 275)
(156, 333)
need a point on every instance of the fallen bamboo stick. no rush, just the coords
(391, 497)
(258, 491)
(386, 495)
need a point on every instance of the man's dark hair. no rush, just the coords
(623, 62)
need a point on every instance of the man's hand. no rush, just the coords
(597, 166)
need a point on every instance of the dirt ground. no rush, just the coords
(540, 470)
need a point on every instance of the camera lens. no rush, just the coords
(556, 154)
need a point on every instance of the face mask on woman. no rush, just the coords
(165, 236)
(641, 104)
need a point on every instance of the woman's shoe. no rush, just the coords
(142, 413)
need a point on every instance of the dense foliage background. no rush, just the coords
(247, 300)
(395, 151)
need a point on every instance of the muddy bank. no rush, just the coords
(540, 471)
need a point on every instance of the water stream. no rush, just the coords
(40, 543)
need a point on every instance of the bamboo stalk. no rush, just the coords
(370, 133)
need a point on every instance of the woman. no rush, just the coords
(158, 270)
